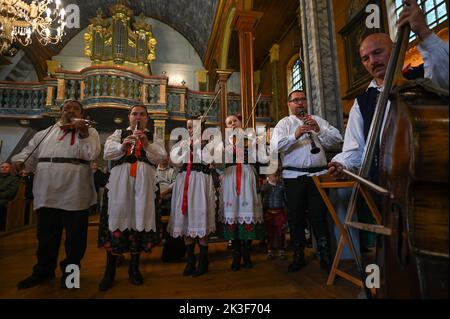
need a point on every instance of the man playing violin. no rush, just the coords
(63, 190)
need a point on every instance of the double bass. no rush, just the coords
(414, 167)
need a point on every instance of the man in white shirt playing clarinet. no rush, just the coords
(299, 139)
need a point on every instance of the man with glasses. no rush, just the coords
(295, 137)
(63, 190)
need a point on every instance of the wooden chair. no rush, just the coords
(326, 181)
(15, 217)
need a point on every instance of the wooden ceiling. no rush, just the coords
(277, 18)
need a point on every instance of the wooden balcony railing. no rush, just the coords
(103, 87)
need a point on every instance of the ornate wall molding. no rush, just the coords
(320, 57)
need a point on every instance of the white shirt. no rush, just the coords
(181, 151)
(434, 52)
(155, 152)
(131, 199)
(62, 185)
(297, 152)
(166, 178)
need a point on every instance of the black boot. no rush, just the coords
(133, 272)
(203, 261)
(110, 272)
(324, 254)
(236, 264)
(247, 247)
(298, 261)
(34, 280)
(190, 258)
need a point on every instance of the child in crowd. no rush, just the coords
(274, 201)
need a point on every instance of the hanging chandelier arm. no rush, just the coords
(20, 20)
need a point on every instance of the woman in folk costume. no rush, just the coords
(242, 208)
(193, 204)
(130, 223)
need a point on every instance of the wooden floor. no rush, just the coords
(269, 279)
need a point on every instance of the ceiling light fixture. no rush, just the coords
(19, 20)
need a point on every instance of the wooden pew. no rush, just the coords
(15, 209)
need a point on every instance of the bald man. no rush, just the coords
(375, 51)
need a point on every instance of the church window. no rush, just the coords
(297, 79)
(436, 12)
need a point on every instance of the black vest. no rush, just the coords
(131, 159)
(367, 102)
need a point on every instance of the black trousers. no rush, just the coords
(303, 195)
(50, 225)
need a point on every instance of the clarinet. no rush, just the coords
(314, 148)
(132, 156)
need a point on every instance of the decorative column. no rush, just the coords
(49, 101)
(244, 22)
(274, 61)
(144, 93)
(61, 91)
(320, 56)
(201, 79)
(223, 75)
(183, 98)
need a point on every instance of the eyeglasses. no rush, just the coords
(298, 100)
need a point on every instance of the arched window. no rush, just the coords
(297, 76)
(436, 12)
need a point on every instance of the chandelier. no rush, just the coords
(20, 20)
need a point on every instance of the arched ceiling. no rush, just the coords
(192, 18)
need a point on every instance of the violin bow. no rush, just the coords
(210, 105)
(88, 122)
(253, 110)
(203, 116)
(35, 148)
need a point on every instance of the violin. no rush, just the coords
(72, 125)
